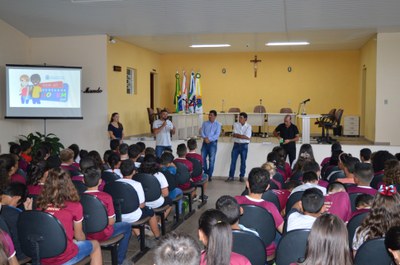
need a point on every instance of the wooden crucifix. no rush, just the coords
(255, 62)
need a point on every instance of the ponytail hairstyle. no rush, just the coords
(113, 160)
(213, 224)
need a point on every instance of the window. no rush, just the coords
(130, 81)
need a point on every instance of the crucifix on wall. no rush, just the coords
(255, 62)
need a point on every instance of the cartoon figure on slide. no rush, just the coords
(24, 89)
(37, 89)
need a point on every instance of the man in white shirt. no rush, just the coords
(241, 138)
(163, 128)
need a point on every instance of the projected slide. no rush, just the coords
(40, 91)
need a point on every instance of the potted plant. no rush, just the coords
(37, 139)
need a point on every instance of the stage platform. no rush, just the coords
(260, 147)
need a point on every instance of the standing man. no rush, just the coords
(288, 134)
(163, 128)
(210, 131)
(241, 138)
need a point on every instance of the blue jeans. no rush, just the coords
(238, 149)
(173, 194)
(125, 229)
(85, 248)
(209, 150)
(160, 149)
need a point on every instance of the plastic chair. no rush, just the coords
(293, 198)
(80, 186)
(126, 200)
(42, 236)
(250, 246)
(259, 219)
(292, 247)
(183, 176)
(198, 170)
(353, 197)
(152, 191)
(109, 176)
(373, 252)
(96, 220)
(270, 196)
(353, 224)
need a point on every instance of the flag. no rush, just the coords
(184, 102)
(199, 101)
(192, 93)
(177, 92)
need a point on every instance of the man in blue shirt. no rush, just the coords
(210, 131)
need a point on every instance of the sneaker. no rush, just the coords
(229, 179)
(241, 179)
(205, 198)
(209, 179)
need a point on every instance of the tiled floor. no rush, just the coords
(216, 188)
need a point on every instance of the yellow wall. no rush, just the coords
(132, 108)
(368, 61)
(330, 79)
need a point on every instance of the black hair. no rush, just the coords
(96, 158)
(166, 158)
(229, 206)
(25, 145)
(312, 200)
(273, 157)
(310, 176)
(392, 238)
(86, 163)
(92, 176)
(114, 144)
(192, 144)
(15, 149)
(83, 153)
(149, 165)
(123, 148)
(364, 199)
(311, 165)
(113, 160)
(75, 148)
(133, 151)
(243, 114)
(16, 189)
(258, 180)
(365, 153)
(149, 151)
(127, 167)
(364, 172)
(181, 150)
(141, 146)
(336, 147)
(379, 158)
(213, 112)
(106, 154)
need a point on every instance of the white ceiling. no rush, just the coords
(167, 26)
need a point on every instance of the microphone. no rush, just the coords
(305, 101)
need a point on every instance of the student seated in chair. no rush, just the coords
(337, 201)
(60, 198)
(14, 195)
(192, 147)
(128, 169)
(7, 251)
(258, 183)
(92, 179)
(230, 207)
(168, 168)
(363, 204)
(311, 206)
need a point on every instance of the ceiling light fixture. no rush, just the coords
(288, 43)
(209, 45)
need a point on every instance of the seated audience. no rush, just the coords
(216, 235)
(114, 163)
(92, 179)
(75, 148)
(379, 159)
(337, 201)
(384, 214)
(68, 163)
(38, 173)
(311, 206)
(310, 180)
(7, 251)
(232, 210)
(123, 151)
(257, 183)
(363, 174)
(363, 204)
(60, 198)
(142, 148)
(134, 154)
(347, 163)
(327, 243)
(177, 249)
(365, 155)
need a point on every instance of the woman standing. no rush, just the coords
(115, 128)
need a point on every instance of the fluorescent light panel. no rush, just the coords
(209, 45)
(289, 43)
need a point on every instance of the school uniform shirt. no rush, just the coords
(189, 165)
(35, 189)
(307, 186)
(362, 189)
(164, 184)
(271, 208)
(71, 213)
(135, 215)
(339, 204)
(236, 259)
(7, 245)
(107, 201)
